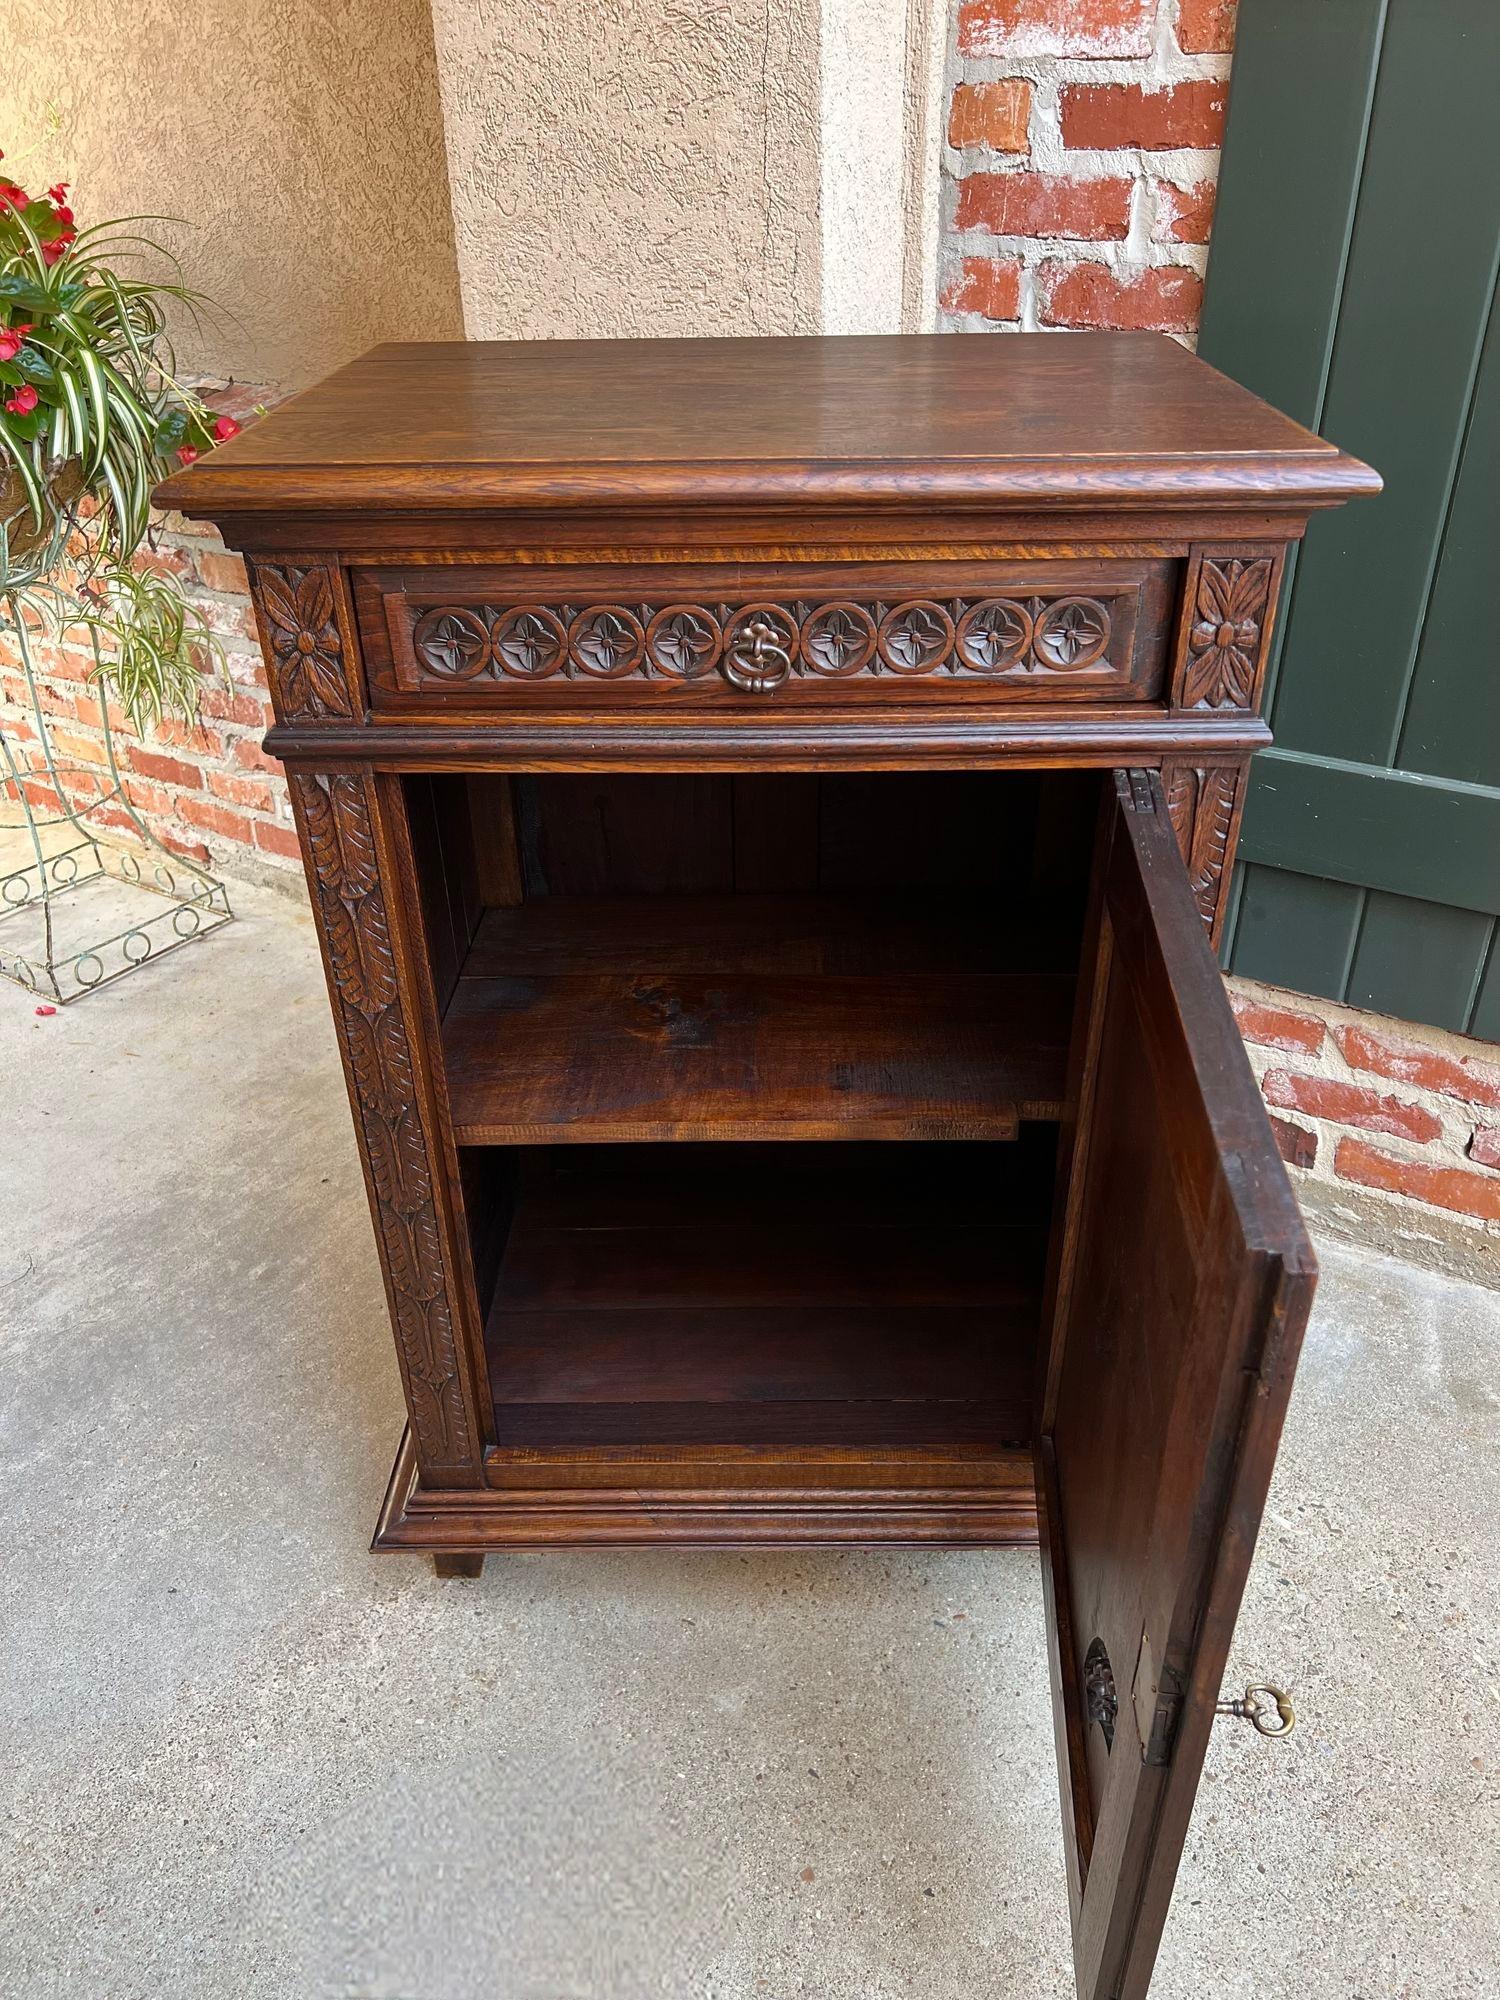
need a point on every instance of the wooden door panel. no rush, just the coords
(1181, 1287)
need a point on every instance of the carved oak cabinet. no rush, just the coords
(768, 807)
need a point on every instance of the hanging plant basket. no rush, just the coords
(28, 543)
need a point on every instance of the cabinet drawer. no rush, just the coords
(519, 639)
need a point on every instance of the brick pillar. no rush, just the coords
(1081, 161)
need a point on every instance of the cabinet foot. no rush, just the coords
(467, 1565)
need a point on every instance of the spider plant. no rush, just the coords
(91, 417)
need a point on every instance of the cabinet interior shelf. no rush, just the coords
(752, 1298)
(580, 1020)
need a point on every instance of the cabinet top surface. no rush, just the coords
(929, 418)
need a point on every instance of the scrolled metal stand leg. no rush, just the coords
(198, 900)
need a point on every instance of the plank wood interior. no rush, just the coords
(578, 1021)
(705, 1301)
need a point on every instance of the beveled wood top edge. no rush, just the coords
(861, 422)
(1318, 476)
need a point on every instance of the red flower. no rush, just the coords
(224, 429)
(63, 213)
(52, 251)
(58, 193)
(12, 338)
(23, 402)
(186, 453)
(12, 196)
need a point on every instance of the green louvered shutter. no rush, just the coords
(1352, 282)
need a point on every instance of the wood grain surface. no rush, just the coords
(1068, 420)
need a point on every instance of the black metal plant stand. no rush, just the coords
(50, 957)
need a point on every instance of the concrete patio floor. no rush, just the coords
(245, 1759)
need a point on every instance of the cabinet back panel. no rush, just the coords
(606, 835)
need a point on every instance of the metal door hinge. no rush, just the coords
(1133, 789)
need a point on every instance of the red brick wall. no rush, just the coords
(1081, 162)
(1381, 1120)
(210, 791)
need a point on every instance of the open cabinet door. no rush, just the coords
(1179, 1290)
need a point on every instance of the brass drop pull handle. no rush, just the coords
(1271, 1716)
(756, 661)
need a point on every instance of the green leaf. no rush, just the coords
(93, 376)
(172, 430)
(31, 423)
(17, 221)
(117, 501)
(44, 221)
(19, 290)
(34, 365)
(73, 398)
(126, 405)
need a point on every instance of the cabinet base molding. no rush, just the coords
(415, 1520)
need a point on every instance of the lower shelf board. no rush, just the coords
(873, 1330)
(841, 1376)
(851, 1422)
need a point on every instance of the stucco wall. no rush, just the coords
(863, 192)
(764, 166)
(633, 167)
(302, 142)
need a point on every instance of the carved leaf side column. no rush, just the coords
(1205, 802)
(1222, 647)
(351, 823)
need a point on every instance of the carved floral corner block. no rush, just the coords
(378, 1040)
(305, 630)
(1226, 628)
(1203, 803)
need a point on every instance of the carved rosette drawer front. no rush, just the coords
(1048, 632)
